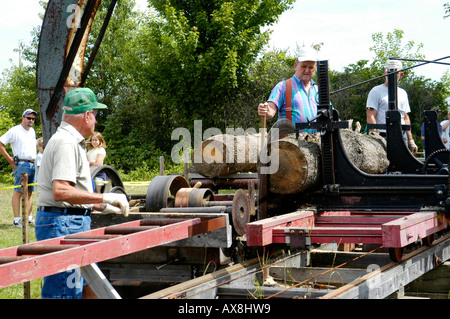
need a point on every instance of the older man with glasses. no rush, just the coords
(296, 98)
(66, 197)
(22, 138)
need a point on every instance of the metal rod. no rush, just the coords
(125, 230)
(382, 76)
(25, 227)
(415, 60)
(98, 42)
(41, 249)
(214, 209)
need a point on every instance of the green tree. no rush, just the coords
(392, 46)
(18, 92)
(201, 52)
(423, 93)
(351, 102)
(182, 62)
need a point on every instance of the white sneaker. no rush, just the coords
(17, 224)
(31, 222)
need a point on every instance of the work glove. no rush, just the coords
(412, 146)
(110, 209)
(117, 200)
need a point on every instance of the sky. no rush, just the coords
(344, 27)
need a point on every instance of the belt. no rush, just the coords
(66, 210)
(29, 161)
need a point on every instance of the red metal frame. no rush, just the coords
(394, 229)
(43, 258)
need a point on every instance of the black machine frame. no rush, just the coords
(410, 184)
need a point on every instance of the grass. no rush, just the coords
(10, 236)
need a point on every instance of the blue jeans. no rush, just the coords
(24, 167)
(68, 284)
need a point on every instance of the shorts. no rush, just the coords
(24, 167)
(68, 284)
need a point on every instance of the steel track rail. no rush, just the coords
(377, 284)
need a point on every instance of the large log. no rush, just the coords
(300, 160)
(298, 163)
(224, 154)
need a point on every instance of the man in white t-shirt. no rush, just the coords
(378, 104)
(22, 138)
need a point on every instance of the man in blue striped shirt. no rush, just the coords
(295, 98)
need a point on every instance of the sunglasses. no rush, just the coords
(30, 118)
(304, 67)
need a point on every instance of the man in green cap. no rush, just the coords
(66, 197)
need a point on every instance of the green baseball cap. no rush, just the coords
(81, 100)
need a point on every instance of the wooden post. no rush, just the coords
(161, 165)
(186, 166)
(263, 133)
(25, 228)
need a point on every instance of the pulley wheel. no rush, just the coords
(112, 177)
(396, 254)
(162, 191)
(240, 211)
(193, 197)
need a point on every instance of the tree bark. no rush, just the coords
(223, 155)
(299, 166)
(300, 162)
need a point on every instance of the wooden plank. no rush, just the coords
(205, 287)
(407, 230)
(331, 258)
(320, 275)
(259, 233)
(256, 292)
(149, 273)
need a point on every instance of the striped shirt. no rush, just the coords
(304, 105)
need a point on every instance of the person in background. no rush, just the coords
(96, 156)
(40, 146)
(22, 138)
(422, 131)
(378, 103)
(66, 198)
(446, 130)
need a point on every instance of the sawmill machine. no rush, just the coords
(410, 185)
